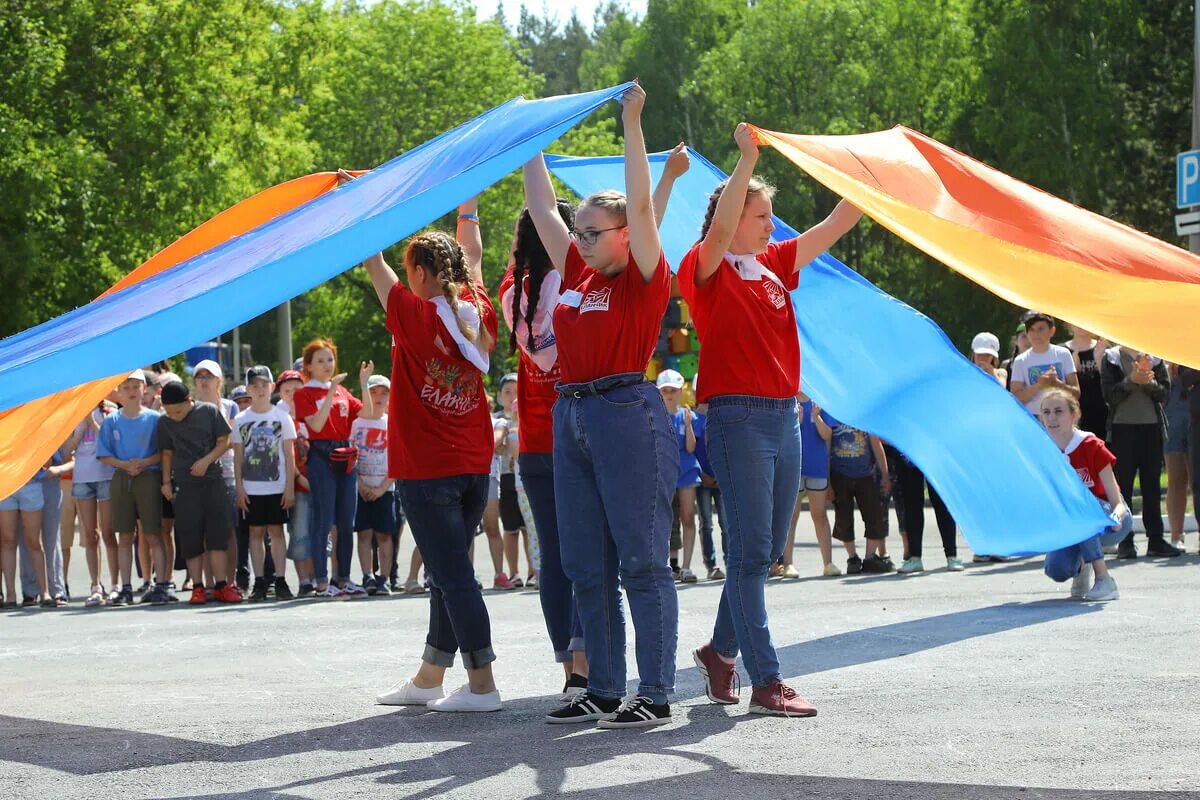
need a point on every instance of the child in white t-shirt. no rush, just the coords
(375, 516)
(265, 474)
(1043, 366)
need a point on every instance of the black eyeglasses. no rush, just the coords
(591, 237)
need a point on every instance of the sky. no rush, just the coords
(562, 9)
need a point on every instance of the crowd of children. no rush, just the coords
(601, 479)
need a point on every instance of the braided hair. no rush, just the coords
(440, 254)
(756, 186)
(530, 258)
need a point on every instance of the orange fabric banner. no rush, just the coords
(1027, 246)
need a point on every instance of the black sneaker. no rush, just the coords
(584, 708)
(638, 713)
(28, 601)
(1162, 549)
(307, 590)
(575, 686)
(157, 595)
(381, 588)
(876, 565)
(259, 593)
(1127, 550)
(282, 590)
(394, 585)
(369, 585)
(854, 565)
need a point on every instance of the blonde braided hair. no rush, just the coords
(441, 255)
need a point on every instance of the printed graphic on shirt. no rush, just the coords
(849, 442)
(1085, 475)
(449, 389)
(1036, 372)
(262, 461)
(774, 293)
(596, 300)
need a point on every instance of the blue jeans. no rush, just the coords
(615, 466)
(444, 514)
(334, 500)
(754, 447)
(1064, 564)
(555, 591)
(708, 499)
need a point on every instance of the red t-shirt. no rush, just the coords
(747, 328)
(535, 396)
(1089, 458)
(345, 410)
(607, 326)
(438, 420)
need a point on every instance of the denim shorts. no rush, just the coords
(811, 484)
(92, 490)
(1177, 433)
(28, 498)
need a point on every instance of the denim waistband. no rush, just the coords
(600, 385)
(326, 446)
(750, 401)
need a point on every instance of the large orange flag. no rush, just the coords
(1027, 246)
(30, 433)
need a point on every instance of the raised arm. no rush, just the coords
(821, 237)
(382, 277)
(470, 238)
(728, 212)
(543, 209)
(678, 163)
(644, 244)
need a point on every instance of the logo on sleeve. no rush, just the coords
(596, 301)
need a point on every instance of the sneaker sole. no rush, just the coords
(1104, 599)
(609, 724)
(572, 720)
(770, 712)
(379, 701)
(704, 672)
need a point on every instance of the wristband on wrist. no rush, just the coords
(474, 217)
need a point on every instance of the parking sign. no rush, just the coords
(1187, 179)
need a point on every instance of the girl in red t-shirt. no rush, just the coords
(736, 283)
(444, 328)
(327, 409)
(615, 459)
(1094, 464)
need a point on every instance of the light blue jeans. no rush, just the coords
(615, 466)
(754, 447)
(1064, 564)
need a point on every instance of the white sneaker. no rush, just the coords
(1105, 589)
(353, 589)
(1081, 582)
(408, 694)
(463, 699)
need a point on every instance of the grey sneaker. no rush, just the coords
(1105, 589)
(1081, 582)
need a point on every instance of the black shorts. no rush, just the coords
(510, 509)
(201, 517)
(168, 510)
(377, 515)
(265, 509)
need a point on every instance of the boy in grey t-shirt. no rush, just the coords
(192, 436)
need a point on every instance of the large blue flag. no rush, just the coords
(246, 276)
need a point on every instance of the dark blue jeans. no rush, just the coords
(754, 447)
(555, 590)
(615, 466)
(708, 499)
(444, 514)
(334, 502)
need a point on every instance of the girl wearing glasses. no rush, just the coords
(614, 452)
(736, 282)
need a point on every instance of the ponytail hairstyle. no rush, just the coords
(756, 186)
(530, 258)
(439, 254)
